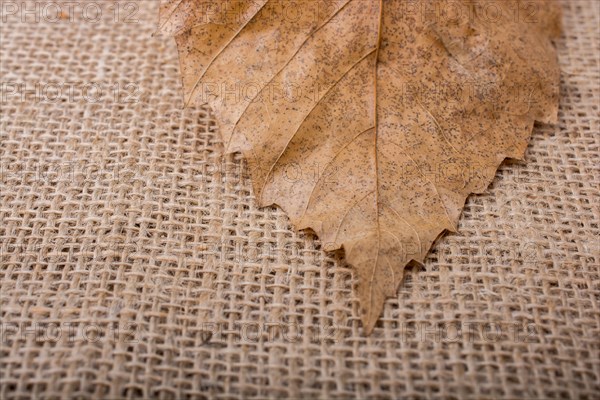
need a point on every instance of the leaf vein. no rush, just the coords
(221, 51)
(321, 98)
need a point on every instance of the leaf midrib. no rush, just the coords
(375, 134)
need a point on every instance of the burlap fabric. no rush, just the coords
(135, 263)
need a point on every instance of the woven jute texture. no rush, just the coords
(135, 263)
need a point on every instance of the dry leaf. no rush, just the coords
(400, 110)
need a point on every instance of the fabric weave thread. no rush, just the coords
(135, 263)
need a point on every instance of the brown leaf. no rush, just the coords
(400, 110)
